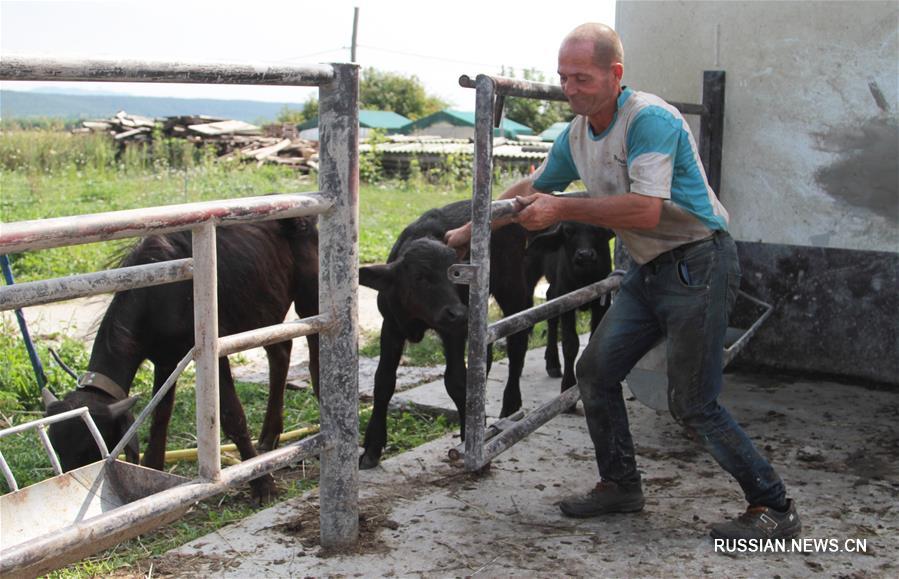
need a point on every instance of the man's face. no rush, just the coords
(590, 88)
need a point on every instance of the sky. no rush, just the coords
(436, 41)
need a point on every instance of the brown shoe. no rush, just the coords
(605, 497)
(760, 522)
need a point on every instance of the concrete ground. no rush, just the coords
(835, 445)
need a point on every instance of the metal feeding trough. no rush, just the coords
(33, 515)
(71, 498)
(648, 381)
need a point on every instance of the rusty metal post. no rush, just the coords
(479, 290)
(338, 286)
(711, 127)
(206, 349)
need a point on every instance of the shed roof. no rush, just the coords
(463, 119)
(368, 120)
(553, 131)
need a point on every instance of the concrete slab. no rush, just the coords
(835, 445)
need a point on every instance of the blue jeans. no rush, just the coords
(686, 295)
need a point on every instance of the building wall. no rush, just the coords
(809, 154)
(810, 172)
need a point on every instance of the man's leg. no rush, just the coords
(695, 313)
(627, 331)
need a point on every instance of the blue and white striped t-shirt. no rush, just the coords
(648, 149)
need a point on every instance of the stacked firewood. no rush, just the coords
(232, 140)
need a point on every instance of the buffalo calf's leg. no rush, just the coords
(273, 425)
(392, 343)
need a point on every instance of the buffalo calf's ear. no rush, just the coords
(379, 277)
(549, 240)
(48, 398)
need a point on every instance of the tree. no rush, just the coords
(291, 116)
(536, 114)
(404, 95)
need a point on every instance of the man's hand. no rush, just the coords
(540, 211)
(459, 239)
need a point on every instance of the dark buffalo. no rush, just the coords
(263, 267)
(571, 255)
(415, 295)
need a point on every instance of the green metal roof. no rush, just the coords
(465, 119)
(552, 132)
(368, 120)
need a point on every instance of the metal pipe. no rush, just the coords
(80, 229)
(478, 290)
(338, 289)
(43, 421)
(34, 68)
(206, 352)
(550, 92)
(458, 451)
(152, 404)
(122, 518)
(48, 447)
(736, 347)
(554, 307)
(534, 420)
(75, 286)
(272, 334)
(518, 87)
(7, 474)
(36, 364)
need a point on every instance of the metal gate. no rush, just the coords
(336, 202)
(490, 95)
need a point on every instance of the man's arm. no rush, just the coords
(460, 237)
(627, 211)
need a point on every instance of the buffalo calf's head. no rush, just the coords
(417, 288)
(71, 438)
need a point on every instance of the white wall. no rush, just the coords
(810, 158)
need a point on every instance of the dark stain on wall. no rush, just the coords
(836, 311)
(866, 174)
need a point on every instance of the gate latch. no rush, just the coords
(463, 273)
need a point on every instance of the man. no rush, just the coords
(640, 164)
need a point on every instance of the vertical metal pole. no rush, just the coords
(338, 286)
(479, 290)
(711, 127)
(206, 348)
(23, 327)
(355, 31)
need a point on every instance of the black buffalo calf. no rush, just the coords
(415, 295)
(571, 255)
(262, 268)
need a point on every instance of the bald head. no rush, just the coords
(607, 47)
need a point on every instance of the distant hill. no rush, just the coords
(22, 104)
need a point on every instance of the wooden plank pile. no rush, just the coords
(232, 140)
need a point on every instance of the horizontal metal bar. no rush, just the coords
(120, 519)
(519, 88)
(43, 421)
(538, 90)
(80, 229)
(527, 318)
(31, 68)
(272, 334)
(36, 293)
(688, 108)
(531, 422)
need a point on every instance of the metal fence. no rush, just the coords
(336, 202)
(490, 95)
